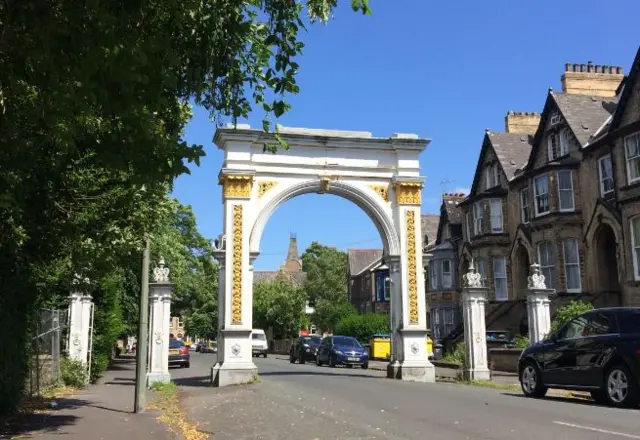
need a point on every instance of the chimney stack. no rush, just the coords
(592, 79)
(521, 122)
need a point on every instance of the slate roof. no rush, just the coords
(280, 274)
(429, 223)
(454, 212)
(512, 150)
(361, 259)
(626, 89)
(585, 115)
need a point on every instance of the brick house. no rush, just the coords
(443, 280)
(368, 275)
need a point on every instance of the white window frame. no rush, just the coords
(570, 190)
(551, 137)
(387, 291)
(564, 142)
(635, 249)
(447, 278)
(525, 209)
(496, 205)
(576, 264)
(549, 281)
(500, 276)
(602, 178)
(536, 195)
(477, 221)
(627, 142)
(433, 275)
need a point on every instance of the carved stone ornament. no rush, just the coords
(382, 191)
(472, 279)
(536, 279)
(236, 186)
(76, 339)
(158, 336)
(408, 193)
(324, 184)
(235, 349)
(412, 267)
(161, 272)
(415, 348)
(79, 279)
(220, 243)
(236, 290)
(265, 186)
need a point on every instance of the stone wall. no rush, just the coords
(504, 359)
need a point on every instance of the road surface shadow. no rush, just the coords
(195, 381)
(317, 373)
(41, 417)
(573, 400)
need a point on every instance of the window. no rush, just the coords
(629, 321)
(433, 275)
(525, 213)
(541, 192)
(606, 175)
(496, 215)
(491, 176)
(564, 142)
(547, 263)
(552, 146)
(387, 288)
(477, 218)
(481, 268)
(555, 118)
(446, 273)
(574, 328)
(565, 190)
(571, 264)
(600, 323)
(467, 217)
(180, 323)
(635, 243)
(632, 150)
(500, 278)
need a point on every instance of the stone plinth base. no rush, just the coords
(477, 374)
(412, 372)
(223, 375)
(157, 377)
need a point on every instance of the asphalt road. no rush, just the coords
(309, 402)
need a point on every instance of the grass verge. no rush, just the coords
(490, 384)
(172, 415)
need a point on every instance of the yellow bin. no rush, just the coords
(380, 348)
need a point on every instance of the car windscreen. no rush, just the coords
(176, 344)
(346, 342)
(258, 336)
(310, 340)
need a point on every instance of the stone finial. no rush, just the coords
(536, 279)
(219, 244)
(160, 272)
(472, 279)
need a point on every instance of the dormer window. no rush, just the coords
(491, 176)
(555, 119)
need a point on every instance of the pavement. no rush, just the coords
(297, 402)
(307, 402)
(102, 412)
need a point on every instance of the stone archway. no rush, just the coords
(605, 246)
(380, 175)
(522, 265)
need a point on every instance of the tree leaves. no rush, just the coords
(279, 305)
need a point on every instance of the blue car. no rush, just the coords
(342, 350)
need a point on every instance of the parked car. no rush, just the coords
(259, 344)
(499, 339)
(179, 353)
(342, 350)
(598, 351)
(304, 349)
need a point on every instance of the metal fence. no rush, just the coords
(50, 328)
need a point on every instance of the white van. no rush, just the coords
(258, 342)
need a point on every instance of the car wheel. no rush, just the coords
(291, 358)
(265, 355)
(531, 380)
(599, 396)
(364, 366)
(318, 361)
(619, 387)
(302, 359)
(349, 366)
(332, 362)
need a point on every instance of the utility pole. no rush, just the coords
(143, 333)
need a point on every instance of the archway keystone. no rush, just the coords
(380, 175)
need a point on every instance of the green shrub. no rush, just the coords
(73, 373)
(521, 341)
(363, 327)
(568, 312)
(457, 356)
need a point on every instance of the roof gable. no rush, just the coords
(633, 79)
(361, 259)
(429, 224)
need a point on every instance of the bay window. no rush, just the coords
(547, 261)
(541, 194)
(496, 215)
(446, 274)
(605, 168)
(565, 190)
(478, 212)
(632, 153)
(635, 246)
(572, 265)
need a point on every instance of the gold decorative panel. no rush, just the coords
(236, 301)
(265, 186)
(408, 193)
(412, 269)
(236, 187)
(382, 191)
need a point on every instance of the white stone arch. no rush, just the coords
(380, 175)
(365, 198)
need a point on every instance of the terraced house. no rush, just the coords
(561, 188)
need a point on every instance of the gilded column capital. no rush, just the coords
(236, 186)
(408, 192)
(382, 191)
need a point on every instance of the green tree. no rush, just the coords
(363, 326)
(326, 269)
(203, 322)
(279, 305)
(329, 313)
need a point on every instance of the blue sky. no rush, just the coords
(443, 70)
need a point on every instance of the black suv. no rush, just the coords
(304, 349)
(598, 351)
